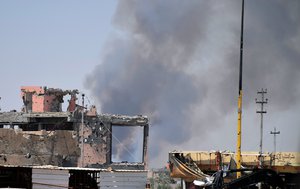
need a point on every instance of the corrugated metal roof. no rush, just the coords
(51, 167)
(124, 180)
(49, 178)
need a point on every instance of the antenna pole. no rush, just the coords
(239, 126)
(261, 112)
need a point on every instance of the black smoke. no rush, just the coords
(177, 62)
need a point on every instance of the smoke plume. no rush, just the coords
(177, 62)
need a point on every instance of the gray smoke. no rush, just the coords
(177, 62)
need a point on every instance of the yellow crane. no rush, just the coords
(239, 126)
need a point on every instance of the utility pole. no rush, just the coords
(82, 132)
(261, 112)
(275, 133)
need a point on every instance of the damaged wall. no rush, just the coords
(38, 147)
(98, 137)
(42, 99)
(38, 135)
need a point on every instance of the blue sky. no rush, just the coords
(50, 43)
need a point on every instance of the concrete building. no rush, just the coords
(74, 145)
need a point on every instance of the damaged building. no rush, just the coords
(45, 147)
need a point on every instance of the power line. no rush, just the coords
(127, 150)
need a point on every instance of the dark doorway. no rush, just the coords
(15, 177)
(80, 179)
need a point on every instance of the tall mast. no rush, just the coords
(239, 126)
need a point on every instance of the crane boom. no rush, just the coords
(239, 126)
